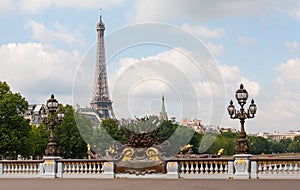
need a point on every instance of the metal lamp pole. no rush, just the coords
(52, 120)
(242, 114)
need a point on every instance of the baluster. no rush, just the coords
(90, 167)
(192, 168)
(73, 167)
(85, 168)
(280, 168)
(33, 168)
(98, 167)
(12, 168)
(81, 167)
(211, 168)
(269, 164)
(201, 168)
(216, 168)
(196, 168)
(187, 169)
(9, 168)
(275, 169)
(265, 168)
(285, 168)
(4, 168)
(206, 169)
(291, 168)
(226, 167)
(296, 168)
(27, 168)
(221, 168)
(182, 167)
(259, 167)
(76, 168)
(66, 170)
(94, 167)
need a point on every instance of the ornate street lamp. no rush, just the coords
(242, 96)
(53, 120)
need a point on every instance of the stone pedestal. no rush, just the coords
(172, 170)
(50, 167)
(242, 166)
(108, 170)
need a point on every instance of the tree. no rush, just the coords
(68, 137)
(277, 147)
(14, 128)
(285, 143)
(39, 138)
(258, 145)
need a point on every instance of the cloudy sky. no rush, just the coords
(195, 52)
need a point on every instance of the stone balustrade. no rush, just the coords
(204, 168)
(84, 168)
(198, 168)
(20, 169)
(273, 168)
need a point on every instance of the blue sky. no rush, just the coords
(42, 44)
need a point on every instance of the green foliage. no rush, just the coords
(258, 145)
(39, 138)
(14, 129)
(227, 141)
(69, 140)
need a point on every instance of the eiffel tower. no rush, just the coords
(101, 100)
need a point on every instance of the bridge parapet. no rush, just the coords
(21, 169)
(275, 168)
(197, 168)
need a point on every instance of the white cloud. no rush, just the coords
(38, 6)
(294, 13)
(216, 49)
(189, 89)
(34, 70)
(59, 33)
(247, 41)
(293, 46)
(203, 31)
(200, 9)
(289, 77)
(6, 6)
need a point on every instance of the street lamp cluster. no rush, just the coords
(242, 114)
(52, 120)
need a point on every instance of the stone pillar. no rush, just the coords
(1, 168)
(108, 170)
(60, 169)
(253, 174)
(242, 166)
(50, 166)
(230, 169)
(172, 170)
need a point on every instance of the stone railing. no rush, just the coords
(205, 168)
(275, 168)
(236, 167)
(84, 168)
(21, 169)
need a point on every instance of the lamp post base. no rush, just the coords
(242, 147)
(241, 165)
(50, 166)
(51, 149)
